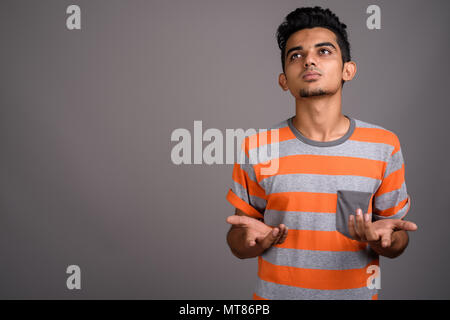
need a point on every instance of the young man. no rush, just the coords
(319, 224)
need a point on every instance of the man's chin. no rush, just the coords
(306, 93)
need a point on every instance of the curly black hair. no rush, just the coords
(311, 17)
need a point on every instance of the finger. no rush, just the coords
(276, 238)
(234, 220)
(360, 225)
(250, 243)
(239, 221)
(386, 240)
(270, 238)
(282, 228)
(284, 236)
(261, 237)
(351, 227)
(405, 225)
(371, 235)
(250, 238)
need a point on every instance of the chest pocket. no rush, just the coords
(347, 203)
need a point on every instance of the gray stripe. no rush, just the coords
(323, 260)
(318, 221)
(267, 151)
(318, 183)
(248, 168)
(256, 202)
(244, 159)
(274, 291)
(398, 215)
(391, 199)
(352, 148)
(395, 163)
(240, 191)
(246, 165)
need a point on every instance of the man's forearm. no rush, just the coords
(399, 242)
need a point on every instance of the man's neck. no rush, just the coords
(319, 118)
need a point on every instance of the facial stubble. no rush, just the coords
(305, 93)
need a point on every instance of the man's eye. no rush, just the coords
(327, 51)
(294, 56)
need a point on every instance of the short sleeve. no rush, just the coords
(391, 200)
(245, 193)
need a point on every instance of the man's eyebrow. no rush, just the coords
(322, 44)
(293, 49)
(325, 44)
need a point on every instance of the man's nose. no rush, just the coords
(309, 60)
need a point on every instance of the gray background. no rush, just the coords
(86, 119)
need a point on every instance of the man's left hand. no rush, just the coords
(362, 228)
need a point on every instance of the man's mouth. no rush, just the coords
(311, 75)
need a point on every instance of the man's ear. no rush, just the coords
(282, 81)
(349, 71)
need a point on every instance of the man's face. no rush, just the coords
(313, 64)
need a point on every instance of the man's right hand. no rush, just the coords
(258, 235)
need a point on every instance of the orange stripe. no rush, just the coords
(392, 182)
(391, 211)
(375, 297)
(409, 206)
(265, 137)
(240, 176)
(376, 135)
(242, 205)
(320, 240)
(313, 278)
(302, 201)
(305, 202)
(256, 297)
(329, 165)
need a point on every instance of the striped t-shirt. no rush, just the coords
(313, 192)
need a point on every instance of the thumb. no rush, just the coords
(269, 239)
(386, 240)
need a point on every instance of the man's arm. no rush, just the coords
(249, 237)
